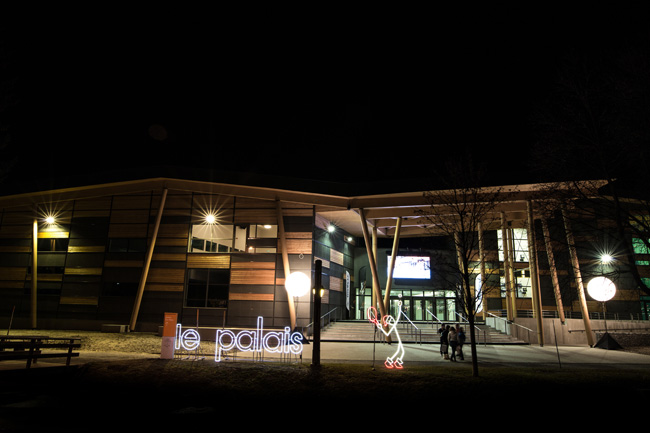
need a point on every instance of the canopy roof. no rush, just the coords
(381, 211)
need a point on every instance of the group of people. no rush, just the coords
(452, 341)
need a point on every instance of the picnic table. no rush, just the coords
(35, 347)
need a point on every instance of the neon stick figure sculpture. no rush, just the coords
(396, 360)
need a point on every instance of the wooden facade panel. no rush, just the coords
(298, 235)
(78, 300)
(336, 257)
(215, 261)
(253, 265)
(171, 242)
(86, 248)
(55, 234)
(336, 284)
(169, 257)
(83, 271)
(13, 274)
(299, 246)
(164, 288)
(252, 276)
(251, 297)
(255, 216)
(166, 275)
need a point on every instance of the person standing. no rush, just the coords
(453, 342)
(444, 341)
(461, 342)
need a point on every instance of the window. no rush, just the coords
(520, 243)
(207, 288)
(226, 238)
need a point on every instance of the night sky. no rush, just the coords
(330, 98)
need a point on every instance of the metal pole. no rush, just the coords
(318, 269)
(147, 263)
(34, 290)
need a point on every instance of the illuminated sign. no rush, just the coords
(256, 340)
(388, 321)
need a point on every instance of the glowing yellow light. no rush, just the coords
(49, 219)
(331, 228)
(210, 219)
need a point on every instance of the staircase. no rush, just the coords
(363, 331)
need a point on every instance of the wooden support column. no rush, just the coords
(376, 290)
(34, 287)
(391, 268)
(532, 266)
(147, 263)
(578, 277)
(553, 270)
(285, 262)
(506, 265)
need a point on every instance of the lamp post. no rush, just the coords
(315, 359)
(602, 289)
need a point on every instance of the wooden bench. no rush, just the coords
(31, 348)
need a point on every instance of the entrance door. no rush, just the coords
(445, 309)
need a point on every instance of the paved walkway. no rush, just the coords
(414, 354)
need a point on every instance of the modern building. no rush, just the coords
(217, 253)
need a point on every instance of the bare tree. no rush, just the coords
(461, 210)
(592, 145)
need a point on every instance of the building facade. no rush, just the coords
(218, 254)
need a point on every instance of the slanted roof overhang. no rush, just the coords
(381, 210)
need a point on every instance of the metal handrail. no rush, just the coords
(321, 321)
(475, 327)
(509, 322)
(413, 330)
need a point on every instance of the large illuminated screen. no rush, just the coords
(412, 267)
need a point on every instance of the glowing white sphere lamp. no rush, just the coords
(297, 284)
(601, 289)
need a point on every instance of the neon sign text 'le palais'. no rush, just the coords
(244, 341)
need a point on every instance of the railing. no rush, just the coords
(324, 321)
(412, 330)
(478, 330)
(504, 325)
(596, 315)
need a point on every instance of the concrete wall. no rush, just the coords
(572, 332)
